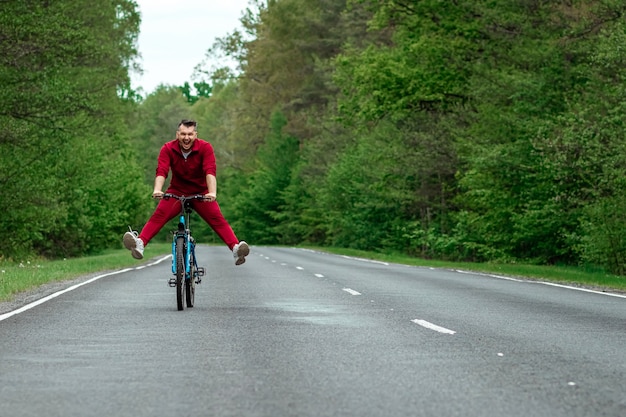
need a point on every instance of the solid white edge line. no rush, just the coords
(552, 284)
(569, 287)
(432, 326)
(73, 287)
(365, 260)
(610, 294)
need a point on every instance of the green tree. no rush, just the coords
(63, 154)
(260, 204)
(520, 198)
(202, 89)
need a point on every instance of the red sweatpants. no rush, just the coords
(209, 211)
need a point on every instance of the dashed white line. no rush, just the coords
(351, 291)
(300, 268)
(319, 275)
(432, 326)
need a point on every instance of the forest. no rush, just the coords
(466, 130)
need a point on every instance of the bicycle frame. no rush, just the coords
(184, 280)
(190, 245)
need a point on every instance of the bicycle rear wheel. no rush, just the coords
(180, 272)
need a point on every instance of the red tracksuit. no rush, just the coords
(188, 178)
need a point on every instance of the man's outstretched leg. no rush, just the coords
(211, 213)
(134, 244)
(240, 251)
(165, 211)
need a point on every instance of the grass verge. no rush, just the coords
(24, 276)
(27, 275)
(575, 276)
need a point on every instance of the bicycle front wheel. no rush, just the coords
(180, 272)
(190, 283)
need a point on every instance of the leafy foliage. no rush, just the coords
(64, 163)
(257, 209)
(467, 130)
(482, 130)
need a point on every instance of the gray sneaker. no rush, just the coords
(240, 251)
(133, 244)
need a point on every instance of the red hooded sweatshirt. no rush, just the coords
(188, 174)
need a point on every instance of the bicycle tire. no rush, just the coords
(190, 284)
(180, 272)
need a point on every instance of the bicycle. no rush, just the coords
(185, 267)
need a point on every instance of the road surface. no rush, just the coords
(296, 332)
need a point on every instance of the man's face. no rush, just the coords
(186, 136)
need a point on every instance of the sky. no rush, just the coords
(175, 35)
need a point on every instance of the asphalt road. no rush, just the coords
(300, 333)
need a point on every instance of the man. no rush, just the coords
(192, 163)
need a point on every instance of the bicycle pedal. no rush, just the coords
(172, 282)
(200, 272)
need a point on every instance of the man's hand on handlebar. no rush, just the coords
(210, 197)
(157, 195)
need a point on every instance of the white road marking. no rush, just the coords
(319, 275)
(365, 260)
(73, 287)
(552, 284)
(582, 289)
(432, 326)
(300, 268)
(351, 291)
(610, 294)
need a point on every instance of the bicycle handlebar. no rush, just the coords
(200, 197)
